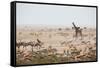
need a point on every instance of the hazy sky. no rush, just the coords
(37, 14)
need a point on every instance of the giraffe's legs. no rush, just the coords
(81, 34)
(76, 33)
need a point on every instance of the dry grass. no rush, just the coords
(59, 45)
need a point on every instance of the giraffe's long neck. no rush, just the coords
(74, 25)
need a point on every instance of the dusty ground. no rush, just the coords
(62, 40)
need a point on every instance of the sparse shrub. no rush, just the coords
(59, 29)
(31, 33)
(20, 33)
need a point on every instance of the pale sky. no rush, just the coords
(37, 14)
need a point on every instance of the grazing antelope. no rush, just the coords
(31, 43)
(19, 44)
(38, 44)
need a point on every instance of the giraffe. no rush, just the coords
(78, 30)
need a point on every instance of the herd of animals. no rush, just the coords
(67, 56)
